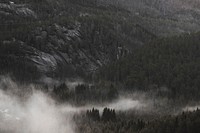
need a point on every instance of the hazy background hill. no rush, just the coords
(64, 38)
(74, 38)
(135, 62)
(164, 17)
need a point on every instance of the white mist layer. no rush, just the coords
(122, 104)
(39, 114)
(191, 108)
(127, 104)
(36, 112)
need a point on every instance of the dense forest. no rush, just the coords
(172, 63)
(187, 122)
(84, 93)
(77, 38)
(99, 66)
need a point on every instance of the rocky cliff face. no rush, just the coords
(62, 39)
(69, 42)
(11, 10)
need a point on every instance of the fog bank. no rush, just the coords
(39, 114)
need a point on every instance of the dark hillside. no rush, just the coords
(173, 63)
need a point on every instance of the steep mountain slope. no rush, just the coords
(70, 38)
(164, 17)
(64, 38)
(168, 65)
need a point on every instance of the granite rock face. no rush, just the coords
(11, 10)
(64, 39)
(52, 50)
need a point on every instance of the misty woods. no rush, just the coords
(84, 93)
(138, 62)
(187, 122)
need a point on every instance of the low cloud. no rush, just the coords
(36, 114)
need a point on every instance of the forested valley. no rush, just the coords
(99, 66)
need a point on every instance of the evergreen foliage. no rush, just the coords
(172, 62)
